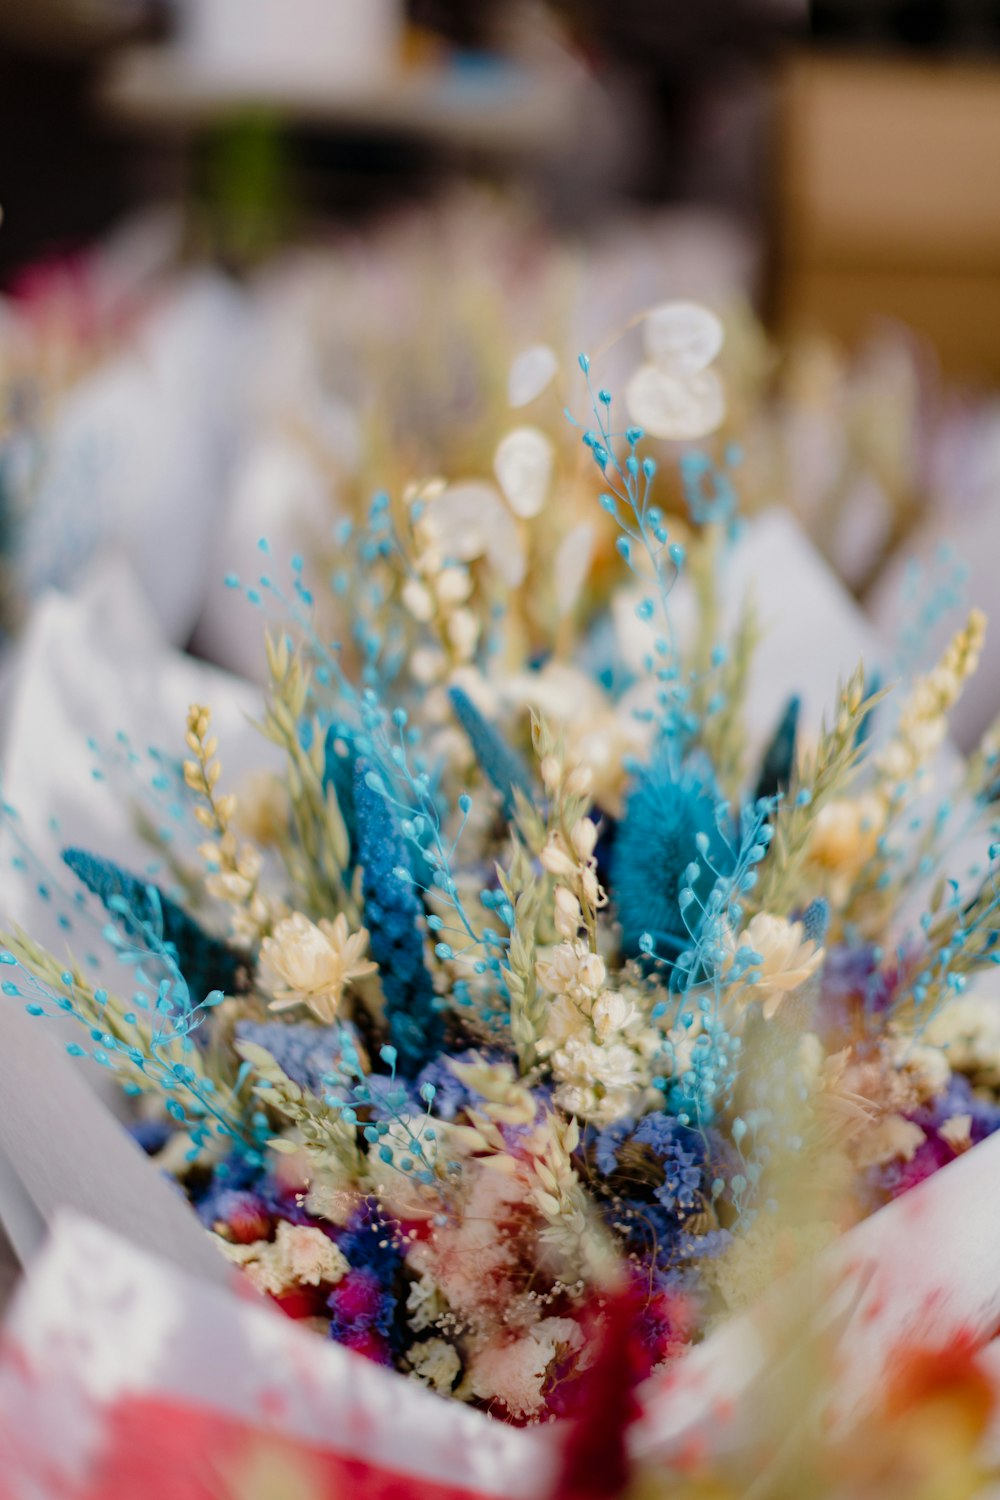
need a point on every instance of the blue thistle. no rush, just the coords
(392, 914)
(669, 825)
(779, 757)
(501, 766)
(206, 962)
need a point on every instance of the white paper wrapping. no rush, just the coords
(139, 453)
(99, 1323)
(91, 667)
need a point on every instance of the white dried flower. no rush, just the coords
(583, 837)
(299, 1255)
(418, 600)
(463, 632)
(957, 1132)
(612, 1012)
(308, 1255)
(571, 969)
(435, 1363)
(305, 964)
(568, 916)
(788, 959)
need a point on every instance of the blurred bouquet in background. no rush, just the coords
(119, 408)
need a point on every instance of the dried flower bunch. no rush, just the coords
(521, 991)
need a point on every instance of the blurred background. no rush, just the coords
(256, 254)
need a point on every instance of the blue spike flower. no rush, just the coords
(339, 761)
(392, 914)
(206, 962)
(501, 766)
(779, 757)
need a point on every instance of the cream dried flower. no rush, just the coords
(788, 959)
(300, 1255)
(600, 1082)
(844, 836)
(514, 1371)
(435, 1362)
(967, 1029)
(571, 969)
(892, 1138)
(957, 1131)
(612, 1013)
(306, 964)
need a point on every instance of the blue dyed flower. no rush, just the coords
(501, 765)
(392, 917)
(207, 963)
(663, 1151)
(667, 843)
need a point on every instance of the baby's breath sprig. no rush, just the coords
(644, 533)
(722, 727)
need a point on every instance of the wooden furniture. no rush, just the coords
(888, 202)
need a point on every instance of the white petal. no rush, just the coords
(572, 564)
(530, 374)
(683, 337)
(470, 520)
(460, 517)
(523, 466)
(666, 406)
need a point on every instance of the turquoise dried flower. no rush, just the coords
(779, 757)
(207, 963)
(668, 842)
(501, 766)
(392, 912)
